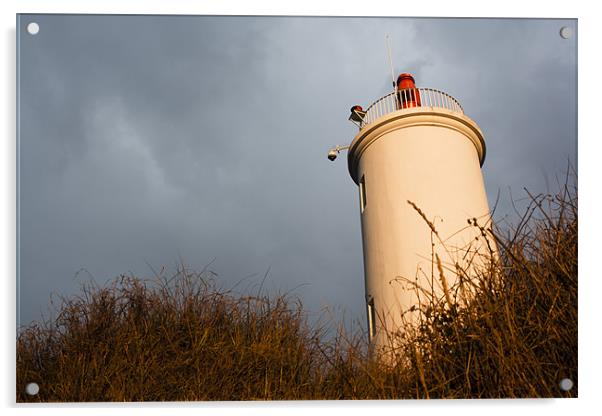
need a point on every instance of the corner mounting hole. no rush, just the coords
(33, 28)
(566, 384)
(566, 32)
(32, 389)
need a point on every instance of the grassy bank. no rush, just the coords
(183, 338)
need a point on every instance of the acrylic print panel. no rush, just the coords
(191, 225)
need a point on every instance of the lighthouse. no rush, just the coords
(417, 162)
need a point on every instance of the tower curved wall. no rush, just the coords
(432, 158)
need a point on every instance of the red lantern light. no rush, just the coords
(407, 93)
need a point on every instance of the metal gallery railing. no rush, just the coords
(410, 98)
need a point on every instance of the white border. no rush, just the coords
(589, 149)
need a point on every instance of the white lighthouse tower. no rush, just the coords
(416, 159)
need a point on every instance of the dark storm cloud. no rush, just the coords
(146, 139)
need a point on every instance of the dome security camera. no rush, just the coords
(334, 152)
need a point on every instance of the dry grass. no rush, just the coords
(515, 334)
(185, 339)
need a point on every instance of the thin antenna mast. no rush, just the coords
(388, 41)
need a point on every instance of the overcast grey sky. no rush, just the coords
(146, 139)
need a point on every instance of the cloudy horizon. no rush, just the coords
(144, 140)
